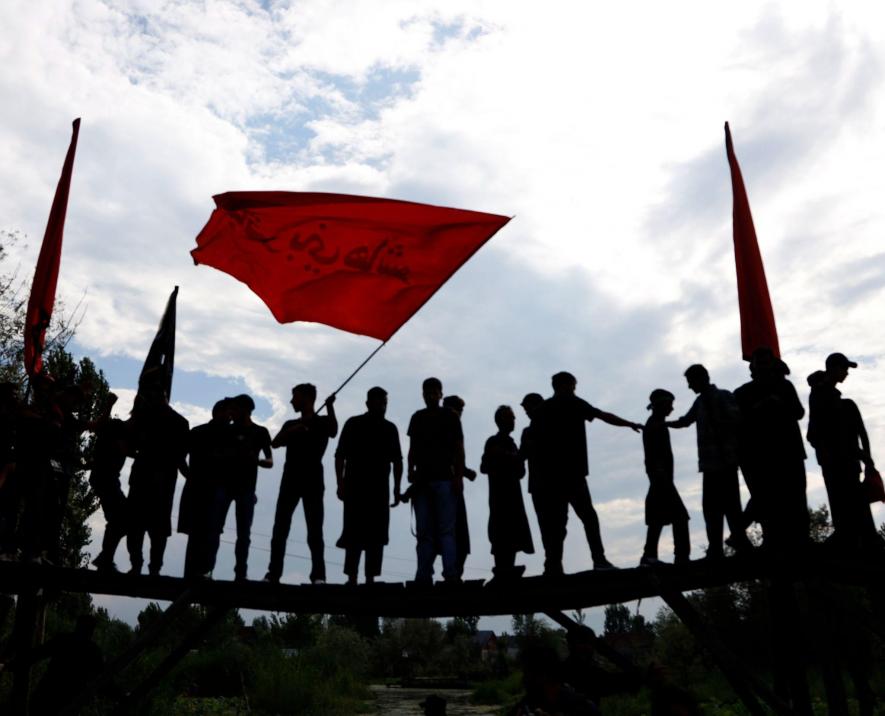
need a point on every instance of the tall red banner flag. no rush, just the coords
(42, 299)
(357, 263)
(758, 329)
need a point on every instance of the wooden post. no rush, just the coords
(741, 680)
(23, 631)
(613, 655)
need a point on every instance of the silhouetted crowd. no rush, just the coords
(754, 429)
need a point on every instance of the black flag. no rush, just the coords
(160, 359)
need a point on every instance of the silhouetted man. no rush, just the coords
(368, 447)
(558, 427)
(108, 457)
(543, 495)
(837, 433)
(716, 415)
(663, 505)
(771, 451)
(436, 468)
(160, 437)
(305, 440)
(509, 531)
(248, 442)
(208, 456)
(462, 527)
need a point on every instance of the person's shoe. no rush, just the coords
(271, 579)
(240, 578)
(135, 569)
(681, 561)
(602, 565)
(647, 561)
(103, 564)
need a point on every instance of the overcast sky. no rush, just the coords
(599, 130)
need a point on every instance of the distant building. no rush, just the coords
(487, 643)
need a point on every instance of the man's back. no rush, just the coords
(435, 434)
(562, 436)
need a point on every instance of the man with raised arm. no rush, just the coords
(305, 440)
(561, 453)
(368, 447)
(715, 413)
(436, 469)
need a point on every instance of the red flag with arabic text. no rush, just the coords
(758, 329)
(42, 298)
(360, 264)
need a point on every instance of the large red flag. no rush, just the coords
(360, 264)
(42, 299)
(757, 316)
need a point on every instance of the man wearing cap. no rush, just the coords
(837, 433)
(562, 454)
(715, 413)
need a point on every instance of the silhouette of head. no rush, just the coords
(564, 383)
(454, 402)
(837, 367)
(697, 377)
(505, 419)
(817, 378)
(304, 395)
(376, 401)
(660, 402)
(432, 390)
(241, 407)
(434, 705)
(221, 410)
(531, 402)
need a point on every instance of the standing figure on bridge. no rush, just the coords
(509, 531)
(716, 415)
(462, 527)
(562, 453)
(305, 440)
(368, 447)
(112, 441)
(248, 442)
(208, 451)
(663, 505)
(160, 437)
(436, 469)
(837, 433)
(771, 452)
(10, 482)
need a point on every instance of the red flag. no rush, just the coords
(757, 316)
(42, 297)
(360, 264)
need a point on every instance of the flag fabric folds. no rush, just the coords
(160, 361)
(360, 264)
(758, 329)
(42, 298)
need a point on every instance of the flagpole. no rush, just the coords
(352, 375)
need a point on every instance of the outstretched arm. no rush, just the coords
(613, 419)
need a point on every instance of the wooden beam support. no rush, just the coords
(745, 685)
(189, 642)
(600, 645)
(27, 607)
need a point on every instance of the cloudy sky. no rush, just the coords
(599, 130)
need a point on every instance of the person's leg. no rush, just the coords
(374, 557)
(652, 537)
(711, 503)
(551, 508)
(504, 562)
(731, 495)
(287, 501)
(445, 507)
(681, 541)
(158, 550)
(579, 498)
(425, 547)
(113, 504)
(245, 513)
(352, 563)
(313, 517)
(135, 547)
(209, 530)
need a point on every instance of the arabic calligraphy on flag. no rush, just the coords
(361, 264)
